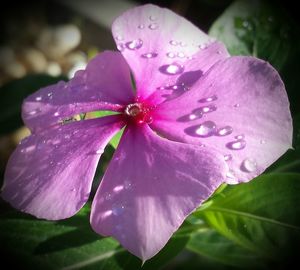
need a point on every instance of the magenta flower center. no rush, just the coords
(138, 113)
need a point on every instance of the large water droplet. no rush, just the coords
(224, 131)
(172, 69)
(249, 165)
(149, 55)
(236, 145)
(153, 26)
(208, 99)
(206, 129)
(134, 44)
(173, 42)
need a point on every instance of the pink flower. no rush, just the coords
(199, 118)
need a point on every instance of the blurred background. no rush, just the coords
(42, 42)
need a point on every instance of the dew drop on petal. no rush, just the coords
(99, 151)
(152, 18)
(134, 44)
(181, 55)
(171, 54)
(227, 157)
(249, 165)
(240, 137)
(119, 38)
(236, 145)
(262, 141)
(224, 131)
(33, 112)
(149, 55)
(236, 105)
(120, 47)
(107, 196)
(141, 26)
(208, 109)
(118, 210)
(38, 98)
(172, 69)
(208, 99)
(206, 129)
(56, 114)
(153, 26)
(173, 42)
(182, 44)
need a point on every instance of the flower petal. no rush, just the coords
(50, 174)
(151, 38)
(95, 88)
(149, 188)
(240, 108)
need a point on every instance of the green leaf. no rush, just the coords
(265, 30)
(262, 215)
(12, 95)
(70, 244)
(211, 244)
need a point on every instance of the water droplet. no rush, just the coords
(240, 137)
(219, 52)
(33, 112)
(181, 55)
(172, 69)
(236, 105)
(50, 95)
(173, 42)
(73, 189)
(230, 174)
(202, 46)
(56, 114)
(38, 98)
(224, 131)
(182, 44)
(208, 99)
(171, 54)
(192, 116)
(134, 44)
(149, 55)
(119, 38)
(206, 129)
(245, 24)
(208, 109)
(227, 157)
(141, 26)
(107, 196)
(152, 18)
(249, 165)
(118, 188)
(236, 145)
(127, 185)
(262, 141)
(153, 26)
(118, 210)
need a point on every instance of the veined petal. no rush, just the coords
(149, 188)
(240, 108)
(50, 174)
(104, 85)
(153, 39)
